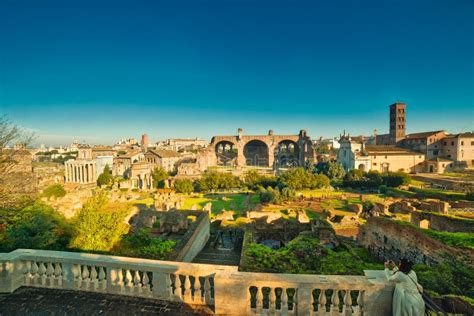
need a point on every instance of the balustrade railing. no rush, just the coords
(222, 288)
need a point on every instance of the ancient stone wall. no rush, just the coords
(442, 222)
(195, 238)
(388, 239)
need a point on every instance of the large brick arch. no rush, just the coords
(240, 141)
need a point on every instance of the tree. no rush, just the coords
(159, 176)
(333, 170)
(213, 180)
(299, 179)
(99, 225)
(183, 186)
(37, 226)
(105, 178)
(54, 190)
(396, 179)
(16, 184)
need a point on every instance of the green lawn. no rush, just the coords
(235, 202)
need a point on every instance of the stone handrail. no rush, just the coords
(222, 287)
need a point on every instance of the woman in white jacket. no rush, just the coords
(407, 300)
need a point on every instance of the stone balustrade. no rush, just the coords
(223, 288)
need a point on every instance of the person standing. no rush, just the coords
(407, 300)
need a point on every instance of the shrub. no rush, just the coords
(183, 186)
(37, 226)
(141, 244)
(55, 190)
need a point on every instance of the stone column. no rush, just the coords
(66, 173)
(81, 173)
(74, 173)
(240, 155)
(89, 170)
(271, 155)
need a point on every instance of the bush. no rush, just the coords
(55, 190)
(37, 226)
(183, 186)
(396, 179)
(452, 276)
(99, 225)
(276, 196)
(373, 179)
(141, 244)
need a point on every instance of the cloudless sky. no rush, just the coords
(103, 70)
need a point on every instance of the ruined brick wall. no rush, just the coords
(388, 239)
(441, 222)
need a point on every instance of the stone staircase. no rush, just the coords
(221, 256)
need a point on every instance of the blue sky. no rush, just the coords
(102, 70)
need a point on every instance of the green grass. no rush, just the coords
(234, 202)
(457, 175)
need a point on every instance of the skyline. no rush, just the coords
(102, 72)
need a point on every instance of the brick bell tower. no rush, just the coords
(397, 122)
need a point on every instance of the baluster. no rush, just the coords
(42, 273)
(25, 270)
(284, 301)
(58, 274)
(272, 300)
(128, 280)
(137, 282)
(335, 303)
(50, 274)
(347, 310)
(177, 284)
(120, 280)
(85, 277)
(94, 279)
(322, 299)
(146, 283)
(360, 303)
(102, 280)
(207, 290)
(34, 272)
(188, 295)
(259, 297)
(76, 272)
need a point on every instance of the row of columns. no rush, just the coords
(142, 181)
(81, 172)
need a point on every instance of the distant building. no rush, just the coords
(429, 143)
(397, 125)
(354, 154)
(166, 159)
(144, 142)
(459, 148)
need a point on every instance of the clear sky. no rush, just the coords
(102, 70)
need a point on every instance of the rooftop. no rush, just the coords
(389, 150)
(423, 134)
(163, 153)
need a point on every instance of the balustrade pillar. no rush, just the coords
(161, 285)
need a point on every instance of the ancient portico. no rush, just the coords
(258, 150)
(80, 171)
